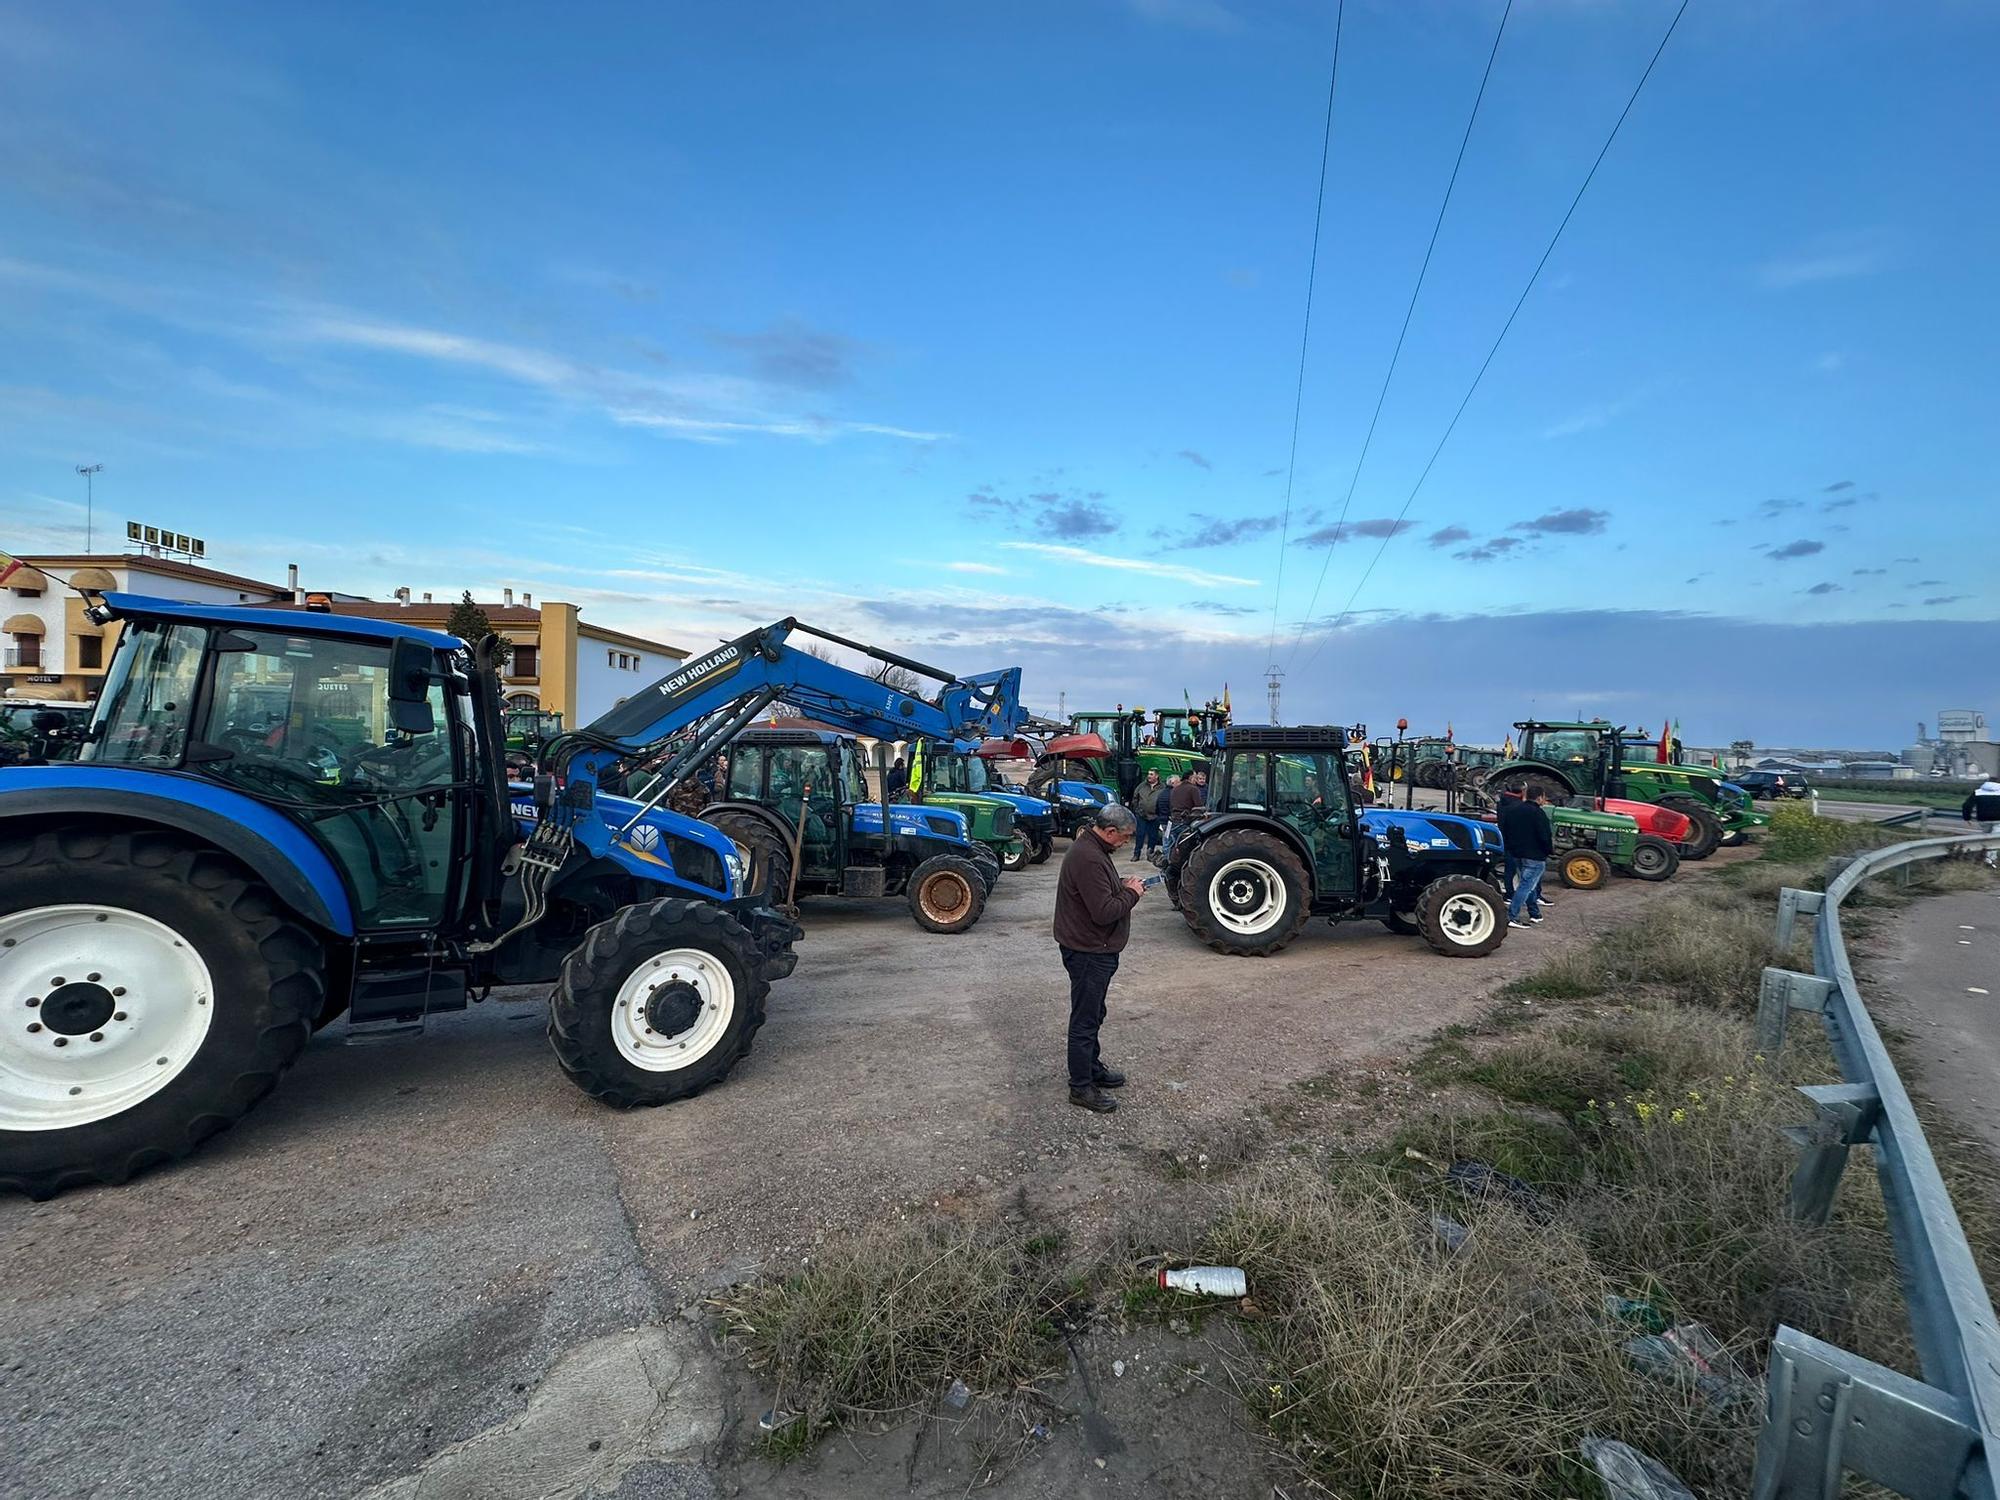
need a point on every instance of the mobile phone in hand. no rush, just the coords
(1150, 881)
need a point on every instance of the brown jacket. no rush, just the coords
(1189, 799)
(1093, 907)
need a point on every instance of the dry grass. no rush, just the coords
(1393, 1367)
(1703, 947)
(880, 1326)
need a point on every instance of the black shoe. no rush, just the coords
(1108, 1078)
(1093, 1099)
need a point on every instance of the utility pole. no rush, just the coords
(1272, 674)
(88, 471)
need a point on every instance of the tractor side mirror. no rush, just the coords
(410, 687)
(49, 721)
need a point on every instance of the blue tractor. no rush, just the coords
(281, 817)
(1284, 839)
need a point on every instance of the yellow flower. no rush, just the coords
(1694, 1097)
(1679, 1117)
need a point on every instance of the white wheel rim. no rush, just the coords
(1466, 920)
(1247, 896)
(644, 1046)
(132, 1009)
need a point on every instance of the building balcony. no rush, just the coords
(23, 659)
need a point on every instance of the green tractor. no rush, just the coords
(1589, 760)
(528, 730)
(1590, 845)
(1116, 749)
(942, 775)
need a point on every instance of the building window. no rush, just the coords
(25, 652)
(523, 664)
(89, 653)
(611, 658)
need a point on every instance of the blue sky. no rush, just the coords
(974, 331)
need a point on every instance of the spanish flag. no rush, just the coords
(9, 566)
(1666, 741)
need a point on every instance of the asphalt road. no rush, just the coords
(393, 1253)
(1941, 984)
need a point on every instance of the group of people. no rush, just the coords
(1529, 839)
(1164, 808)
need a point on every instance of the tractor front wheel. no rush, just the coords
(1582, 869)
(1462, 916)
(657, 1003)
(1706, 836)
(947, 894)
(1244, 892)
(151, 991)
(1014, 855)
(1655, 858)
(1044, 847)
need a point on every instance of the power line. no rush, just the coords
(1484, 364)
(1305, 332)
(1416, 291)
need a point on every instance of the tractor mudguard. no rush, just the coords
(277, 850)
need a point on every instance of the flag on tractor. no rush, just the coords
(1666, 740)
(1225, 700)
(1507, 750)
(1367, 770)
(1447, 731)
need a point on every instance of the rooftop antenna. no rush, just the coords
(88, 471)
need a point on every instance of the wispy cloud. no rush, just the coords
(1214, 531)
(1084, 557)
(1836, 257)
(975, 567)
(1446, 536)
(1334, 535)
(1800, 548)
(1194, 458)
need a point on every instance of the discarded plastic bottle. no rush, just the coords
(1207, 1281)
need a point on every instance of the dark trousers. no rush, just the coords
(1148, 839)
(1089, 979)
(1510, 871)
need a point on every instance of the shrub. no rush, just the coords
(1799, 836)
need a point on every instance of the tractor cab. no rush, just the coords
(359, 735)
(1191, 729)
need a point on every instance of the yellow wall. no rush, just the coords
(558, 660)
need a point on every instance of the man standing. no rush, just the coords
(1983, 808)
(1526, 834)
(1147, 806)
(1093, 922)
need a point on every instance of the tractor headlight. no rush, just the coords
(736, 863)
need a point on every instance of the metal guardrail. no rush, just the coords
(1830, 1411)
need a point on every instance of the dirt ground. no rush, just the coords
(390, 1255)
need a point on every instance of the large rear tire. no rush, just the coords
(1706, 836)
(1655, 858)
(657, 1003)
(151, 991)
(947, 894)
(1462, 916)
(1582, 869)
(1244, 892)
(987, 863)
(770, 853)
(1526, 782)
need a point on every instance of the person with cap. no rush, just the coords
(1093, 922)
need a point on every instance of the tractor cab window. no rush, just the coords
(976, 774)
(852, 775)
(1565, 747)
(1248, 784)
(1310, 785)
(746, 773)
(1179, 732)
(302, 723)
(801, 778)
(147, 704)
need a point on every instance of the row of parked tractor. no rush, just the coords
(277, 819)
